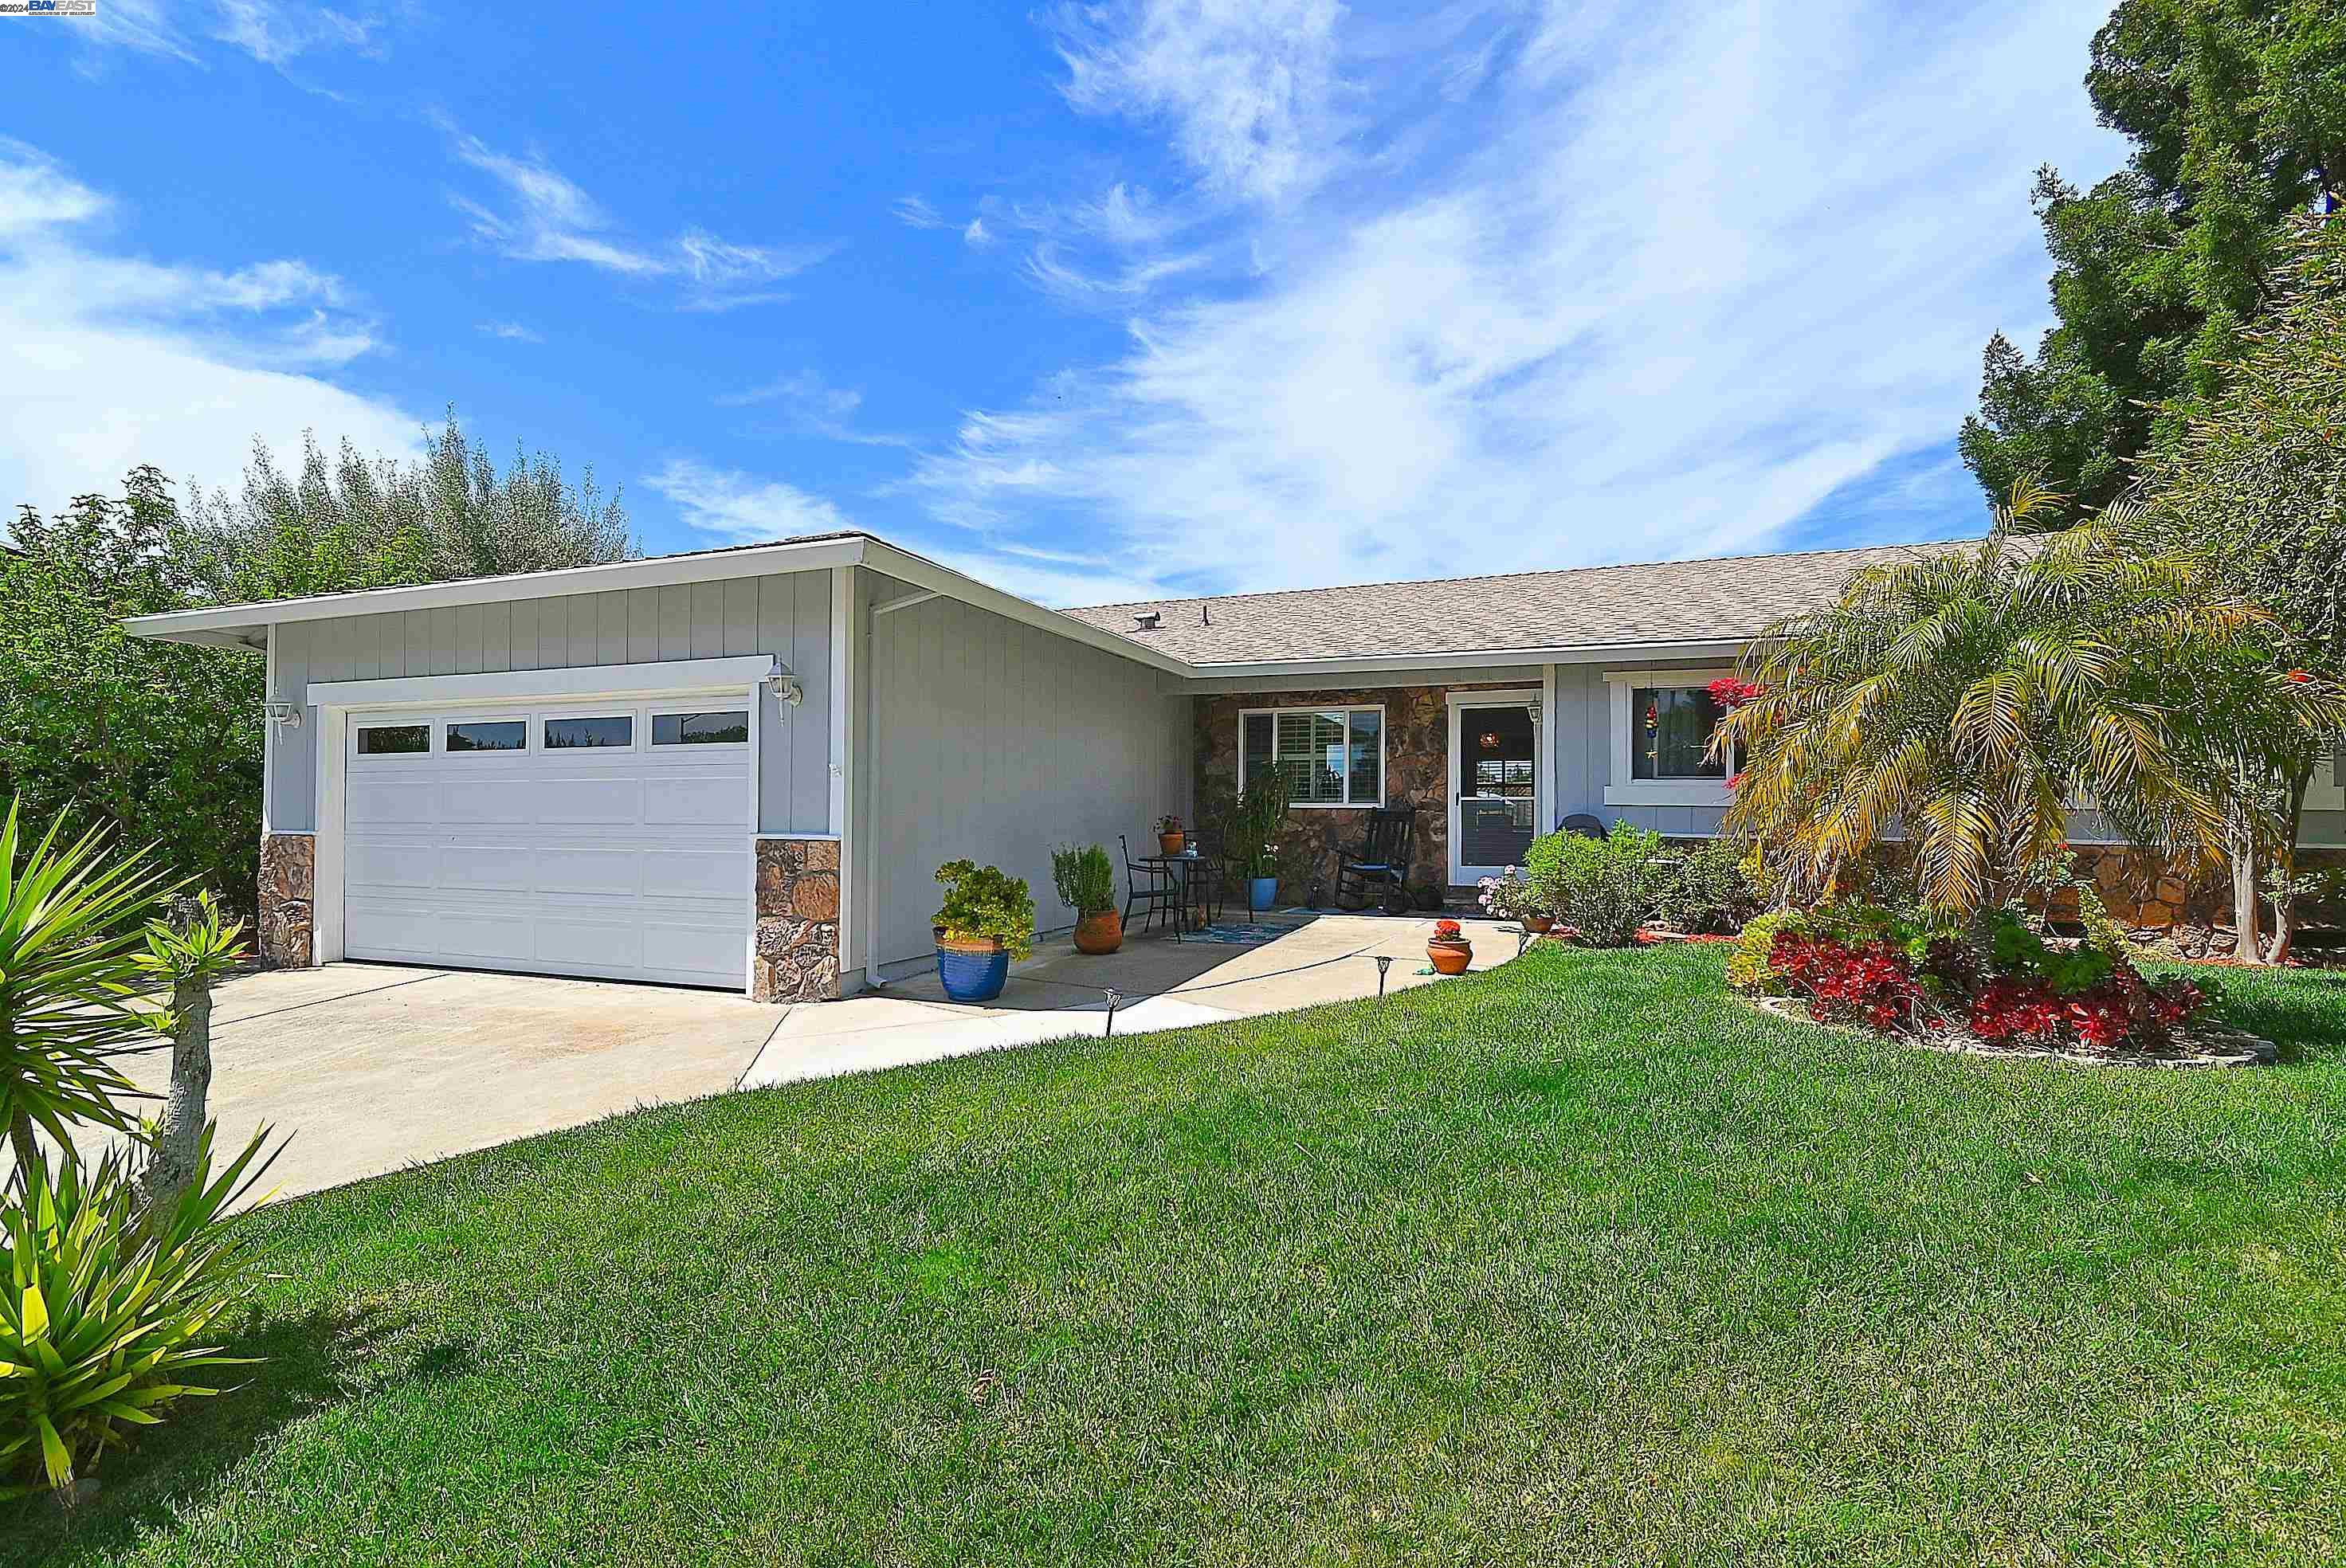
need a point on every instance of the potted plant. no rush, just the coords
(987, 919)
(1256, 818)
(1448, 948)
(1169, 837)
(1086, 885)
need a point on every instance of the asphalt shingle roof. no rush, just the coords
(1659, 602)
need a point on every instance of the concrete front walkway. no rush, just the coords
(1163, 985)
(372, 1067)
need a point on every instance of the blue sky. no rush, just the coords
(1091, 302)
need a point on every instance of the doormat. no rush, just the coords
(1236, 934)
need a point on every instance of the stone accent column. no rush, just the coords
(288, 865)
(798, 921)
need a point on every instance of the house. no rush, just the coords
(740, 767)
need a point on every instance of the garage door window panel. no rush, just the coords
(711, 727)
(478, 735)
(590, 732)
(394, 740)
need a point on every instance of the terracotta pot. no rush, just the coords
(1101, 932)
(1539, 924)
(1170, 843)
(1450, 957)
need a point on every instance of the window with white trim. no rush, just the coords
(1662, 721)
(1674, 725)
(1331, 756)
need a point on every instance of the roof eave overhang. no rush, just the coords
(1339, 666)
(247, 625)
(248, 622)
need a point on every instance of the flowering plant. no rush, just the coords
(1728, 691)
(1508, 897)
(1446, 930)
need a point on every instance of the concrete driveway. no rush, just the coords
(373, 1067)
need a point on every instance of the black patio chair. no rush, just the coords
(1210, 879)
(1582, 824)
(1378, 864)
(1154, 890)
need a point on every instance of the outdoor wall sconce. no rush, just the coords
(786, 687)
(287, 713)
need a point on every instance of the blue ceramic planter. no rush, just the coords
(1261, 892)
(973, 974)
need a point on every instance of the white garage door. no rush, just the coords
(609, 841)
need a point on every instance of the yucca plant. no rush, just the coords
(72, 932)
(108, 1311)
(188, 951)
(1966, 700)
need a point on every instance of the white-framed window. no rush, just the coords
(1332, 756)
(701, 727)
(588, 732)
(1662, 721)
(460, 736)
(392, 740)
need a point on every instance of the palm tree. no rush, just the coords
(1965, 701)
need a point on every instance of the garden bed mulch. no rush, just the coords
(2203, 1043)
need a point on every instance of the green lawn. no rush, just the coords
(1576, 1261)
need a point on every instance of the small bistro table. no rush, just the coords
(1180, 866)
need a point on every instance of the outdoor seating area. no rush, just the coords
(1200, 876)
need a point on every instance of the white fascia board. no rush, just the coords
(238, 624)
(1494, 659)
(671, 677)
(922, 573)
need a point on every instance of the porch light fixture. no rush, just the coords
(287, 713)
(786, 687)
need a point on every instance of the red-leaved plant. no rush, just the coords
(1728, 691)
(1872, 984)
(1877, 984)
(1445, 930)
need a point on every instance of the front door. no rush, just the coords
(1495, 785)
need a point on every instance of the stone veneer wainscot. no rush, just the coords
(288, 869)
(1417, 770)
(797, 957)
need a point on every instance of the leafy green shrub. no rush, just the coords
(983, 902)
(1751, 967)
(1605, 888)
(1254, 820)
(1086, 880)
(1709, 890)
(107, 1313)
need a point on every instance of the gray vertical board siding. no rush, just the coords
(293, 753)
(996, 741)
(1584, 752)
(748, 616)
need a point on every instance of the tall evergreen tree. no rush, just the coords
(2236, 111)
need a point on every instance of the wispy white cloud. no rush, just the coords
(1244, 86)
(740, 508)
(977, 234)
(272, 32)
(916, 213)
(512, 332)
(804, 404)
(1658, 284)
(117, 359)
(545, 216)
